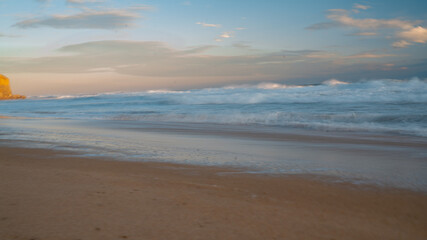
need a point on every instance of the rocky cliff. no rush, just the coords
(5, 91)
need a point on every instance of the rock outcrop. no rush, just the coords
(5, 91)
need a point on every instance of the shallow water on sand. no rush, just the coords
(382, 159)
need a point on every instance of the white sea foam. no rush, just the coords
(65, 96)
(332, 91)
(272, 86)
(333, 82)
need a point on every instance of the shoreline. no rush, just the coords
(388, 160)
(385, 160)
(48, 194)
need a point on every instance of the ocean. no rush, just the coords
(375, 106)
(368, 131)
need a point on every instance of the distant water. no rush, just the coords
(390, 106)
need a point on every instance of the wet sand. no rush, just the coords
(46, 194)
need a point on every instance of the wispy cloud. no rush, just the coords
(84, 1)
(343, 18)
(401, 44)
(208, 24)
(363, 34)
(416, 34)
(241, 45)
(333, 56)
(88, 19)
(224, 35)
(140, 7)
(405, 30)
(8, 36)
(43, 2)
(360, 6)
(369, 55)
(321, 55)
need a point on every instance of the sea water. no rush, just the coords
(369, 131)
(376, 106)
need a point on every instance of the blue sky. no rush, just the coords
(73, 46)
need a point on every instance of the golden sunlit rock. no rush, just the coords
(5, 91)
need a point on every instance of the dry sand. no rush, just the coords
(45, 194)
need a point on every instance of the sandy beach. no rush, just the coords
(222, 120)
(48, 194)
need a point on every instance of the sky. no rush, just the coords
(90, 46)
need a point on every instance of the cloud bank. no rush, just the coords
(156, 59)
(88, 19)
(406, 32)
